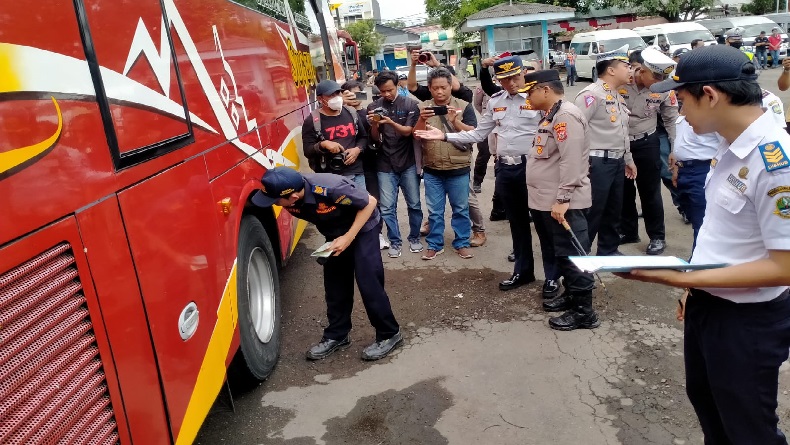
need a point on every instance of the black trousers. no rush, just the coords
(647, 157)
(497, 206)
(512, 183)
(603, 218)
(363, 259)
(481, 162)
(733, 353)
(555, 242)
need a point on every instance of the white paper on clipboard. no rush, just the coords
(629, 263)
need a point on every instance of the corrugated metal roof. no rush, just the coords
(516, 9)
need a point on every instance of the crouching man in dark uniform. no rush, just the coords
(347, 216)
(559, 192)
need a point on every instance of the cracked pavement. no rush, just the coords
(478, 365)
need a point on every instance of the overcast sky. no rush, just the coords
(395, 9)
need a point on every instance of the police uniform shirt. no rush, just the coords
(607, 116)
(644, 105)
(748, 204)
(331, 202)
(510, 118)
(773, 104)
(692, 146)
(559, 160)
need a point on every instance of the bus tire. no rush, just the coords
(594, 76)
(258, 294)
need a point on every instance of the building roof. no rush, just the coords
(516, 9)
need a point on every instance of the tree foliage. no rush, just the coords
(399, 24)
(759, 7)
(452, 13)
(672, 10)
(364, 33)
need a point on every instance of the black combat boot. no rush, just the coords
(559, 304)
(580, 316)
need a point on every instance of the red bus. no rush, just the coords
(133, 270)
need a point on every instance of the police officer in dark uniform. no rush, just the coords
(348, 217)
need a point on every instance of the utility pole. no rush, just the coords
(319, 15)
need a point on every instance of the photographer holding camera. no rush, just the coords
(332, 136)
(392, 119)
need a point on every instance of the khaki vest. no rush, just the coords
(440, 155)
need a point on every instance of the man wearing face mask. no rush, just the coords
(332, 137)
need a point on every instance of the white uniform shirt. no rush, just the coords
(508, 117)
(692, 146)
(748, 204)
(773, 104)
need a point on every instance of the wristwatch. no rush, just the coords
(444, 138)
(563, 200)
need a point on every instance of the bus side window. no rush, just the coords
(145, 113)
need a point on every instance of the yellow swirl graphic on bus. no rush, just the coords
(19, 156)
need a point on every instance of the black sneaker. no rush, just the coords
(656, 247)
(559, 304)
(497, 216)
(551, 288)
(380, 349)
(326, 347)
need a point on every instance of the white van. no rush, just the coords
(589, 44)
(675, 35)
(752, 25)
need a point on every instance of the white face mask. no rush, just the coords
(335, 103)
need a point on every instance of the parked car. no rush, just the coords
(752, 25)
(556, 58)
(589, 44)
(673, 36)
(422, 72)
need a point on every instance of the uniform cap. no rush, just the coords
(535, 77)
(508, 66)
(680, 51)
(277, 183)
(327, 88)
(735, 33)
(709, 64)
(657, 62)
(617, 54)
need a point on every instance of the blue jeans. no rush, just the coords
(409, 182)
(691, 192)
(456, 189)
(359, 180)
(775, 57)
(762, 58)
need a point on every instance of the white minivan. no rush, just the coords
(752, 25)
(589, 44)
(669, 37)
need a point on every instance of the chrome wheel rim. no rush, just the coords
(260, 288)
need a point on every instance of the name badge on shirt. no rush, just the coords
(774, 157)
(498, 109)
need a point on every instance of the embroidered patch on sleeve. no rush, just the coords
(320, 190)
(561, 130)
(774, 157)
(589, 100)
(673, 100)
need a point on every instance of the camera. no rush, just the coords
(378, 113)
(424, 57)
(337, 161)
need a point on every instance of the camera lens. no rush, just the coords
(424, 57)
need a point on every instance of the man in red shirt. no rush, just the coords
(774, 42)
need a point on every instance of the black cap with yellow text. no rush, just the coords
(508, 66)
(277, 183)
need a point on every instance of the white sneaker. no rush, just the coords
(383, 242)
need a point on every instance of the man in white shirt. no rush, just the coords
(737, 318)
